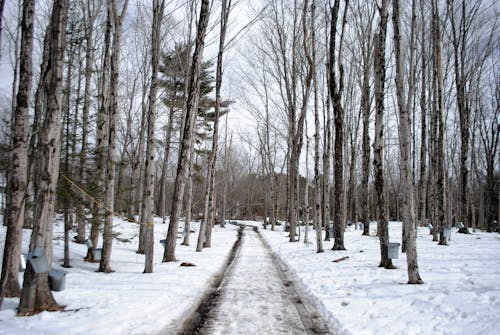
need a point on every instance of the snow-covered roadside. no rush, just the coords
(461, 294)
(126, 301)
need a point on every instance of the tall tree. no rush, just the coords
(18, 162)
(405, 136)
(210, 180)
(36, 295)
(378, 145)
(439, 152)
(101, 138)
(186, 141)
(117, 18)
(149, 179)
(335, 89)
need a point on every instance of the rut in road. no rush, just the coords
(255, 297)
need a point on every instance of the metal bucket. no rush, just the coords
(97, 254)
(38, 260)
(57, 280)
(393, 250)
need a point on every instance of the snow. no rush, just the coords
(126, 301)
(461, 293)
(253, 297)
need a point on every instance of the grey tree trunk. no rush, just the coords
(405, 136)
(212, 158)
(36, 295)
(147, 217)
(422, 189)
(186, 143)
(18, 162)
(335, 89)
(440, 149)
(378, 145)
(101, 142)
(162, 201)
(104, 265)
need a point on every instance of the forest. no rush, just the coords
(292, 112)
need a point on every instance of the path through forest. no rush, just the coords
(255, 297)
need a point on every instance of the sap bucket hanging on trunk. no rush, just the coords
(38, 260)
(393, 250)
(97, 254)
(57, 280)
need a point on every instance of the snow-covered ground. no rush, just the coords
(461, 294)
(125, 301)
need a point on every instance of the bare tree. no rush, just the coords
(205, 239)
(440, 144)
(36, 295)
(147, 218)
(186, 143)
(405, 136)
(335, 89)
(117, 18)
(18, 162)
(378, 145)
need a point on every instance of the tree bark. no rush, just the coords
(378, 145)
(440, 149)
(18, 162)
(405, 136)
(147, 217)
(335, 89)
(117, 18)
(36, 295)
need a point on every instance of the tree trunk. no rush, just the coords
(36, 295)
(405, 136)
(212, 158)
(104, 265)
(440, 149)
(18, 162)
(186, 143)
(147, 217)
(335, 88)
(162, 201)
(378, 145)
(101, 136)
